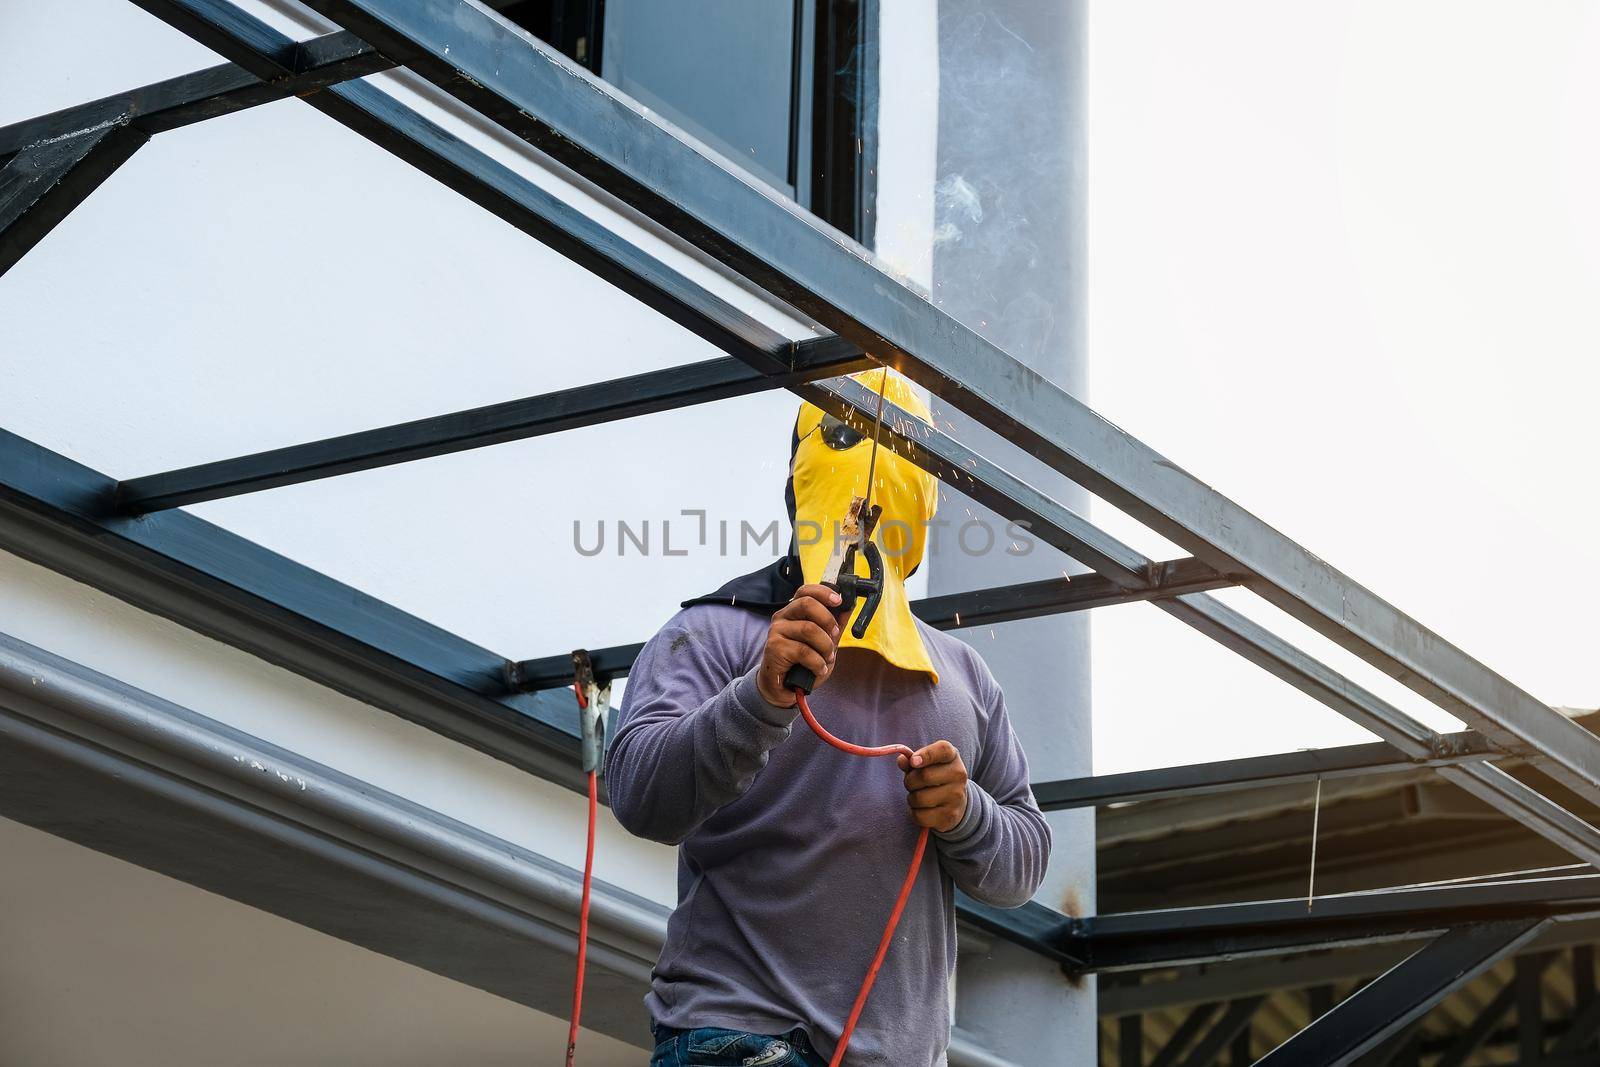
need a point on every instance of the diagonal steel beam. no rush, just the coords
(206, 94)
(1402, 995)
(43, 182)
(1525, 804)
(531, 91)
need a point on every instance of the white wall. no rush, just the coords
(237, 986)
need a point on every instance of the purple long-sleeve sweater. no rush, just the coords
(792, 852)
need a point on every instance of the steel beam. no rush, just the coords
(983, 607)
(1040, 929)
(515, 420)
(1171, 937)
(206, 94)
(534, 93)
(42, 183)
(1052, 596)
(1282, 768)
(1402, 995)
(1526, 805)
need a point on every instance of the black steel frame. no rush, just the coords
(128, 539)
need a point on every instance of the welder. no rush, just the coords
(791, 852)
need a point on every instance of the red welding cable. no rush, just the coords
(583, 921)
(905, 887)
(844, 746)
(583, 906)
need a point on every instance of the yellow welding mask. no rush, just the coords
(828, 470)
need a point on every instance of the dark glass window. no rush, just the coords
(786, 88)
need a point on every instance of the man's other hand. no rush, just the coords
(936, 784)
(804, 631)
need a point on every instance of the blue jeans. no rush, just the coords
(712, 1047)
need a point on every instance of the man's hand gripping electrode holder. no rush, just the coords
(594, 702)
(854, 538)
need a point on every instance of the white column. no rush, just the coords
(1008, 260)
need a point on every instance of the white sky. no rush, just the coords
(1344, 260)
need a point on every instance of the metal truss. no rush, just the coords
(1402, 995)
(129, 538)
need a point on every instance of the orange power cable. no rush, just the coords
(905, 888)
